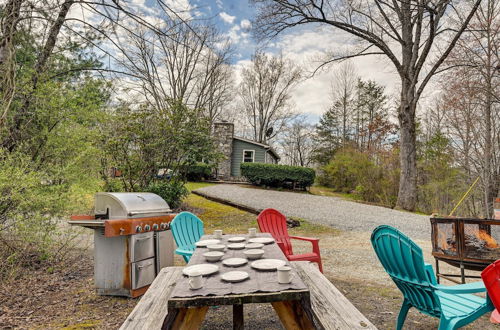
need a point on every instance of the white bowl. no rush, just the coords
(213, 255)
(254, 254)
(216, 247)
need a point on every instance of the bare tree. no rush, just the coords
(408, 33)
(475, 119)
(265, 94)
(297, 143)
(342, 94)
(185, 63)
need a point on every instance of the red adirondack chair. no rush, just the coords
(273, 222)
(491, 279)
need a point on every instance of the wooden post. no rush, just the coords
(238, 319)
(292, 315)
(185, 318)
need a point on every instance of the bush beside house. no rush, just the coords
(274, 175)
(199, 171)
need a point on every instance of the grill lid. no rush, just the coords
(129, 205)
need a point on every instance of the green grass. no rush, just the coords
(219, 216)
(195, 185)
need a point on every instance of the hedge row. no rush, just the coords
(278, 175)
(199, 171)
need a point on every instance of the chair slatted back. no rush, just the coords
(491, 279)
(273, 222)
(187, 229)
(403, 260)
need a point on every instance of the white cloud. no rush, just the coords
(227, 18)
(245, 24)
(237, 36)
(308, 49)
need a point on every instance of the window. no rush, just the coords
(248, 156)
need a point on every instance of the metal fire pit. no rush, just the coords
(465, 243)
(132, 241)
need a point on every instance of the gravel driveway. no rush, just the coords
(333, 211)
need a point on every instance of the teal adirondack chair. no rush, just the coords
(403, 261)
(187, 229)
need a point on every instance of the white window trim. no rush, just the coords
(243, 156)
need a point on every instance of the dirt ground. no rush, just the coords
(64, 298)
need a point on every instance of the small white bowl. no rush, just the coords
(213, 256)
(254, 246)
(254, 254)
(216, 247)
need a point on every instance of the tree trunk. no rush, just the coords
(487, 175)
(407, 195)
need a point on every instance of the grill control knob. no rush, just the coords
(147, 227)
(155, 226)
(163, 226)
(138, 229)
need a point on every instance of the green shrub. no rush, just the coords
(278, 175)
(173, 191)
(352, 171)
(199, 171)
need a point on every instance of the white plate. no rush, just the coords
(206, 242)
(234, 276)
(236, 239)
(267, 264)
(234, 262)
(262, 240)
(204, 269)
(254, 246)
(236, 246)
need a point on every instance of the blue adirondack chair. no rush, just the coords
(403, 261)
(187, 229)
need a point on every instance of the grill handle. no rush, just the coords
(145, 265)
(143, 238)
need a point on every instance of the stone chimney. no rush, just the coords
(223, 133)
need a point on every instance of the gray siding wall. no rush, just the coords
(237, 156)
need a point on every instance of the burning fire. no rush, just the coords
(490, 241)
(442, 240)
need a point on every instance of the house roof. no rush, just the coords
(265, 146)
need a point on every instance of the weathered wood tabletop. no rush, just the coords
(187, 308)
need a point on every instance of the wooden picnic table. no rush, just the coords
(187, 308)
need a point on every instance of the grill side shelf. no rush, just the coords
(87, 221)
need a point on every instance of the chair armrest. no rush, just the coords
(314, 242)
(474, 287)
(309, 239)
(184, 251)
(430, 273)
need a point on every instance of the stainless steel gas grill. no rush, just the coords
(132, 241)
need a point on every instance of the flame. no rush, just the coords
(442, 241)
(490, 241)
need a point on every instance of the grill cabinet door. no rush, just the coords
(143, 273)
(164, 249)
(141, 246)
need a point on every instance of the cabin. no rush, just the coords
(237, 150)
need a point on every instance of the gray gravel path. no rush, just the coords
(333, 211)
